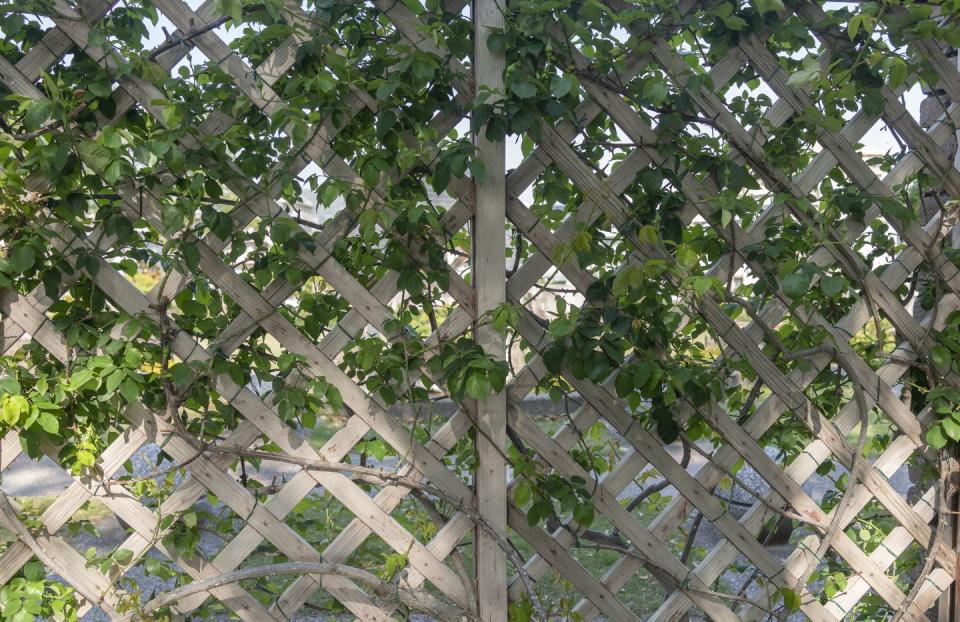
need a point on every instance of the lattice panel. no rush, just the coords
(282, 118)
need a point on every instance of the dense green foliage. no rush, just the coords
(80, 162)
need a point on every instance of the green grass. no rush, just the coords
(326, 427)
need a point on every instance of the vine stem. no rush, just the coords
(929, 563)
(414, 599)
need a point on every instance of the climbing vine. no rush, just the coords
(662, 260)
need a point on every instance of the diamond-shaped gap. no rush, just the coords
(238, 38)
(373, 553)
(556, 594)
(603, 144)
(579, 235)
(891, 551)
(835, 581)
(423, 241)
(917, 199)
(364, 359)
(752, 102)
(265, 589)
(228, 125)
(918, 192)
(753, 595)
(642, 592)
(422, 515)
(153, 575)
(883, 139)
(421, 526)
(871, 604)
(241, 540)
(315, 308)
(552, 297)
(869, 220)
(648, 492)
(604, 552)
(915, 478)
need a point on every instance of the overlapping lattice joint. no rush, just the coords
(605, 200)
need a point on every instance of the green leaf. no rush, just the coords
(113, 172)
(734, 22)
(853, 26)
(623, 384)
(872, 101)
(791, 600)
(898, 72)
(523, 90)
(286, 361)
(687, 257)
(114, 379)
(951, 428)
(181, 374)
(78, 379)
(797, 284)
(936, 437)
(34, 571)
(386, 90)
(32, 605)
(123, 556)
(765, 6)
(522, 493)
(583, 514)
(334, 398)
(153, 72)
(130, 390)
(191, 255)
(100, 89)
(48, 422)
(497, 43)
(12, 408)
(37, 113)
(702, 284)
(478, 387)
(561, 85)
(803, 78)
(655, 91)
(96, 156)
(233, 8)
(833, 285)
(562, 327)
(942, 358)
(22, 258)
(86, 458)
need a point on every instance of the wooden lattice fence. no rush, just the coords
(603, 207)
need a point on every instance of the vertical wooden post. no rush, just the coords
(489, 277)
